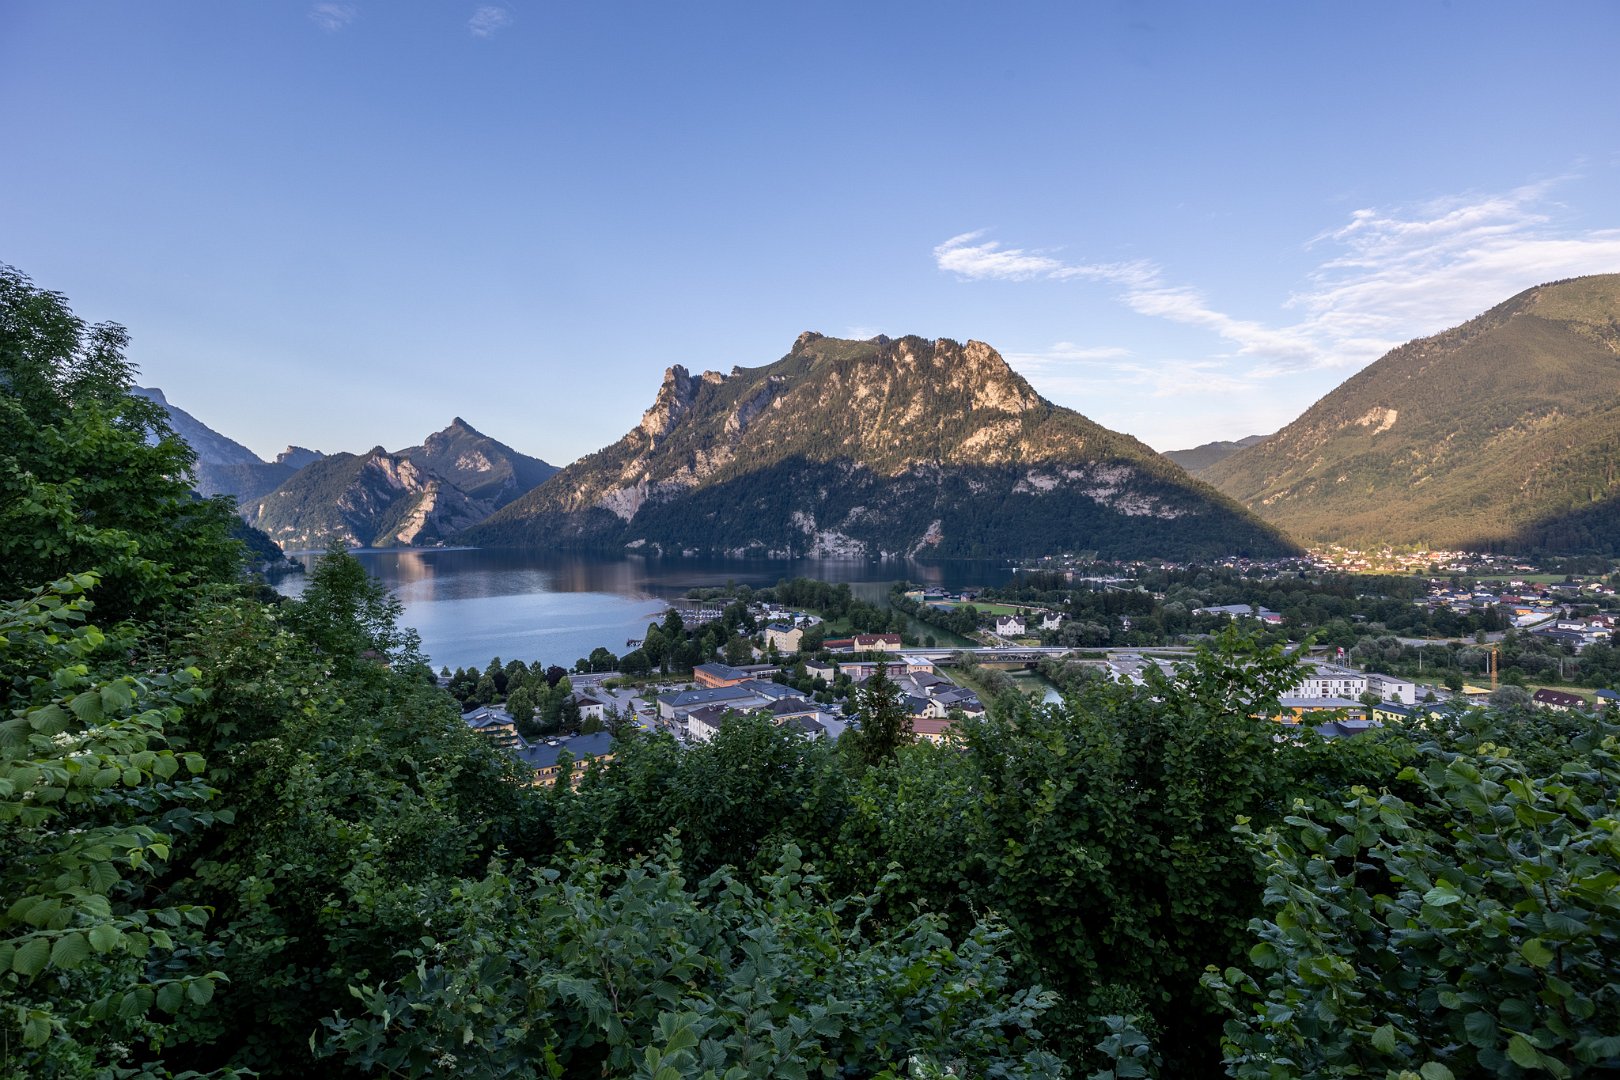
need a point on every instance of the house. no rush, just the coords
(877, 642)
(674, 706)
(1557, 700)
(1010, 626)
(937, 730)
(546, 758)
(495, 724)
(703, 724)
(1392, 712)
(1389, 688)
(803, 716)
(718, 675)
(591, 708)
(958, 699)
(923, 684)
(1606, 699)
(1051, 620)
(785, 636)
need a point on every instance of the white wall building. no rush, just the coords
(1389, 688)
(1331, 681)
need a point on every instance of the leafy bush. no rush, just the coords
(1468, 930)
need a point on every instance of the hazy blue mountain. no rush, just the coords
(416, 496)
(1202, 457)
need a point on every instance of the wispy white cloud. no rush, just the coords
(1082, 371)
(1066, 353)
(1400, 273)
(1145, 290)
(1387, 276)
(973, 258)
(333, 17)
(489, 20)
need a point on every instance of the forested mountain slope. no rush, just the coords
(1199, 458)
(878, 447)
(1501, 433)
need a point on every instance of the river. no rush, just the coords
(470, 605)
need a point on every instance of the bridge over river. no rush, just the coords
(1011, 657)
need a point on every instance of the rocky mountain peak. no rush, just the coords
(879, 446)
(297, 457)
(674, 399)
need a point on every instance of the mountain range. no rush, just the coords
(305, 499)
(878, 447)
(420, 495)
(1502, 433)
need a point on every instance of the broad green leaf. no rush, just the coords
(1523, 1054)
(1433, 1070)
(104, 937)
(1383, 1039)
(1536, 952)
(37, 1028)
(1481, 1028)
(70, 951)
(171, 996)
(30, 958)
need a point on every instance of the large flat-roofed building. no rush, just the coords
(1330, 681)
(717, 675)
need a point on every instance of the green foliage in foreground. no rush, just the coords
(631, 971)
(245, 835)
(91, 476)
(1469, 929)
(91, 802)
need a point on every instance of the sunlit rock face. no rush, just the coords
(883, 447)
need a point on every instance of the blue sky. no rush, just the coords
(340, 224)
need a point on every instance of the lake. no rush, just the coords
(470, 605)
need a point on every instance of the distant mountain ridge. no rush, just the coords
(416, 496)
(1503, 433)
(1202, 457)
(488, 471)
(224, 466)
(877, 447)
(304, 498)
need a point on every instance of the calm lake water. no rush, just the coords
(471, 605)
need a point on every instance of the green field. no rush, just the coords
(985, 608)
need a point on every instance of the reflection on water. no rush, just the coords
(470, 605)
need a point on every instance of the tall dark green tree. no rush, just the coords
(91, 476)
(884, 725)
